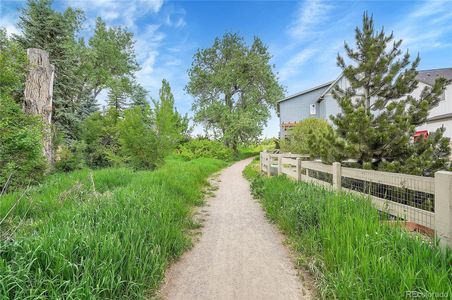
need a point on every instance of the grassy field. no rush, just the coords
(340, 238)
(105, 234)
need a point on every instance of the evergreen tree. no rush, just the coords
(138, 97)
(119, 93)
(379, 117)
(44, 28)
(82, 70)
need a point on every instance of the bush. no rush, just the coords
(198, 148)
(70, 158)
(346, 244)
(100, 134)
(313, 137)
(21, 152)
(138, 139)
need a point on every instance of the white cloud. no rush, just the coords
(8, 22)
(427, 26)
(293, 65)
(310, 14)
(122, 12)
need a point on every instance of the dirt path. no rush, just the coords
(239, 255)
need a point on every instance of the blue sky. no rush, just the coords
(304, 37)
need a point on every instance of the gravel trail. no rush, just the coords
(239, 254)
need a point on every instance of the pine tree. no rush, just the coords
(44, 28)
(379, 117)
(138, 96)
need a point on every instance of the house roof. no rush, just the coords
(333, 83)
(447, 116)
(429, 76)
(306, 91)
(425, 76)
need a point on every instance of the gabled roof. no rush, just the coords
(329, 88)
(425, 76)
(429, 76)
(306, 91)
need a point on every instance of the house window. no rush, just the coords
(312, 109)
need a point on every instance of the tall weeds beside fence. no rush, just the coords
(424, 201)
(343, 241)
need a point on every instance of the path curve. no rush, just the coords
(239, 255)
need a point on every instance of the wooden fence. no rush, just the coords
(425, 201)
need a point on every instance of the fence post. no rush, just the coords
(443, 207)
(269, 165)
(298, 169)
(279, 164)
(337, 176)
(260, 162)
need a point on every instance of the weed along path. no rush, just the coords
(239, 254)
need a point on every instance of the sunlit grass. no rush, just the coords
(341, 238)
(72, 239)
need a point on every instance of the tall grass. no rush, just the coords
(109, 240)
(342, 240)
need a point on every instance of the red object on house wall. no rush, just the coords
(422, 133)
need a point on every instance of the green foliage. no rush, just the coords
(13, 64)
(377, 129)
(139, 136)
(100, 134)
(198, 148)
(316, 138)
(138, 139)
(234, 87)
(426, 156)
(82, 70)
(70, 158)
(171, 127)
(21, 153)
(109, 235)
(340, 238)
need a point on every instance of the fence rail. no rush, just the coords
(422, 200)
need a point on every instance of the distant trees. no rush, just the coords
(128, 132)
(21, 155)
(234, 87)
(139, 136)
(82, 70)
(379, 116)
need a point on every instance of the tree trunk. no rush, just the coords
(38, 95)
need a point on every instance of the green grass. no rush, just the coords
(341, 239)
(65, 241)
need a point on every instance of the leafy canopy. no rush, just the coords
(234, 87)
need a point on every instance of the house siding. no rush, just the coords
(298, 108)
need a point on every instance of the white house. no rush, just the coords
(319, 102)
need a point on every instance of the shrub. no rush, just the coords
(21, 152)
(70, 157)
(313, 137)
(100, 134)
(198, 148)
(138, 139)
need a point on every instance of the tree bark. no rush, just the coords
(38, 95)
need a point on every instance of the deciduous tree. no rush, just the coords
(234, 87)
